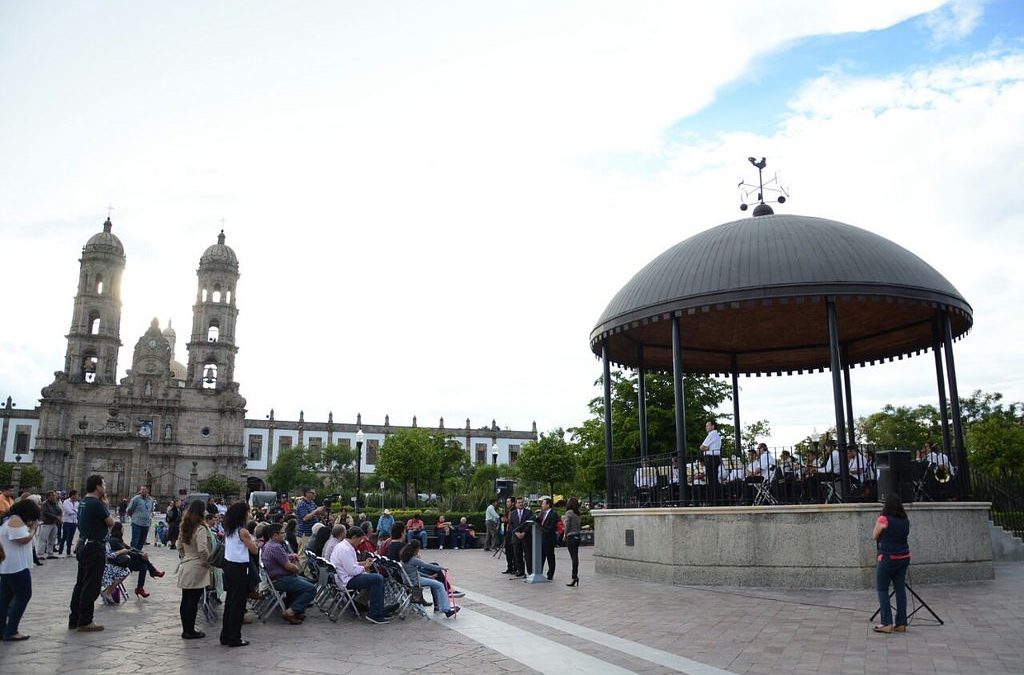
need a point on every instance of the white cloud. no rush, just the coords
(411, 194)
(953, 21)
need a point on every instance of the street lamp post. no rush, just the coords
(494, 454)
(359, 465)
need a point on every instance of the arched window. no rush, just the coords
(90, 362)
(210, 376)
(227, 297)
(216, 293)
(214, 331)
(204, 295)
(99, 284)
(94, 322)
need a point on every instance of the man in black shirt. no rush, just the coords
(94, 523)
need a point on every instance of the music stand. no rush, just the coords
(922, 605)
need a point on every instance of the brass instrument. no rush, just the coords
(942, 474)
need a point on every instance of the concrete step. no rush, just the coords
(1005, 546)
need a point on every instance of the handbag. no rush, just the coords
(216, 558)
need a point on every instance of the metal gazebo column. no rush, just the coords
(641, 396)
(680, 405)
(837, 395)
(737, 437)
(947, 446)
(963, 471)
(851, 429)
(607, 381)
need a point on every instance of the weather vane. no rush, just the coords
(772, 186)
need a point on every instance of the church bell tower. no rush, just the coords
(95, 335)
(211, 349)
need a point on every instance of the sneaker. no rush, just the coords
(458, 594)
(452, 612)
(51, 557)
(90, 628)
(375, 620)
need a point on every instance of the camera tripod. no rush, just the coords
(921, 605)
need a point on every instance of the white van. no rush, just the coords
(260, 498)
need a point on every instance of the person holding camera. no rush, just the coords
(306, 514)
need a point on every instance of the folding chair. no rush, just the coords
(763, 490)
(324, 588)
(272, 598)
(210, 606)
(344, 599)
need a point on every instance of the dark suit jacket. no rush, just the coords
(515, 520)
(549, 525)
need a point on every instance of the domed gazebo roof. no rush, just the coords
(754, 290)
(104, 242)
(220, 254)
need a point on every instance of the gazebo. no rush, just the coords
(783, 294)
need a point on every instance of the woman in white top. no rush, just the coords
(15, 578)
(238, 545)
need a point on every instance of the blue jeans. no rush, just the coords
(15, 592)
(422, 534)
(375, 583)
(139, 533)
(67, 537)
(439, 593)
(299, 589)
(894, 571)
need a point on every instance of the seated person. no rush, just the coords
(125, 556)
(443, 530)
(410, 558)
(860, 472)
(936, 457)
(366, 545)
(283, 570)
(395, 542)
(355, 576)
(321, 533)
(466, 535)
(337, 534)
(414, 528)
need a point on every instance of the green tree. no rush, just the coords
(753, 433)
(407, 456)
(292, 469)
(31, 476)
(900, 427)
(337, 468)
(550, 460)
(703, 397)
(219, 484)
(995, 441)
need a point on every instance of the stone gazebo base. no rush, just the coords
(800, 546)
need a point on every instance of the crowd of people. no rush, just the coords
(222, 549)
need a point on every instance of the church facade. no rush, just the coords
(168, 425)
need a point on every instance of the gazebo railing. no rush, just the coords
(781, 475)
(1007, 497)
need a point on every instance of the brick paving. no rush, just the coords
(738, 630)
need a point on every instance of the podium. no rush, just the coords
(536, 556)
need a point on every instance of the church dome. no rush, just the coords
(178, 370)
(220, 254)
(104, 242)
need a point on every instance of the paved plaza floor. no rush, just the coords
(606, 625)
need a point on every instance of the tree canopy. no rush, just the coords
(219, 484)
(550, 460)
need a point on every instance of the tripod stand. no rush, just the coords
(922, 605)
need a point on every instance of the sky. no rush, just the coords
(432, 203)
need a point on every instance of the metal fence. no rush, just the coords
(1007, 497)
(780, 475)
